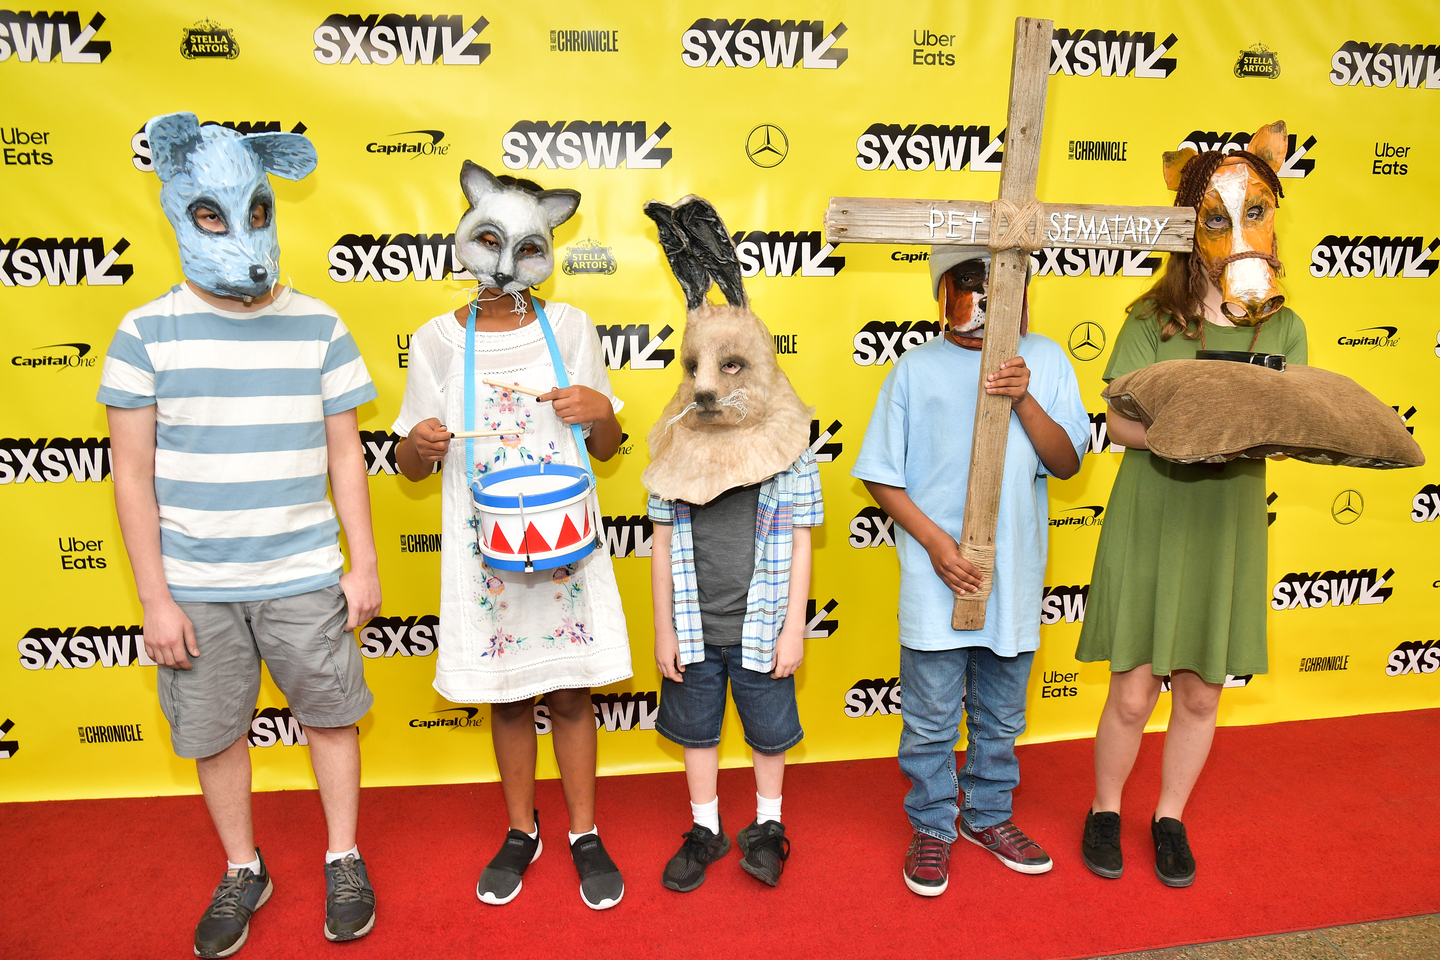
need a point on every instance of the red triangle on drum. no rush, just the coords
(587, 523)
(498, 543)
(533, 542)
(568, 534)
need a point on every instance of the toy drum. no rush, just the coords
(535, 517)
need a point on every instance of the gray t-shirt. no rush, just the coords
(724, 537)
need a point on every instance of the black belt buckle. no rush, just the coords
(1272, 361)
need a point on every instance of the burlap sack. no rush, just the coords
(1211, 411)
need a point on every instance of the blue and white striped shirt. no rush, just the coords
(240, 453)
(789, 499)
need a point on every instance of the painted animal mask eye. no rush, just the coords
(732, 367)
(209, 220)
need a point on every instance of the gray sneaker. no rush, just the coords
(223, 929)
(601, 885)
(764, 850)
(349, 899)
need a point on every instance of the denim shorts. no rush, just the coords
(691, 712)
(312, 658)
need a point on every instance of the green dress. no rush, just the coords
(1180, 576)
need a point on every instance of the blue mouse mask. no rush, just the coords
(215, 192)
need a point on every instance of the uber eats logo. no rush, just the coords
(140, 145)
(63, 262)
(272, 725)
(43, 37)
(1413, 656)
(749, 43)
(1111, 53)
(54, 461)
(355, 258)
(1426, 505)
(384, 39)
(785, 254)
(71, 648)
(887, 146)
(884, 341)
(1064, 603)
(628, 536)
(869, 697)
(872, 527)
(1296, 164)
(398, 637)
(1372, 256)
(1335, 588)
(1403, 66)
(633, 344)
(599, 145)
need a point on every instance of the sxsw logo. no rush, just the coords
(614, 712)
(869, 697)
(884, 341)
(628, 536)
(1372, 256)
(598, 145)
(8, 748)
(398, 637)
(779, 254)
(63, 263)
(1426, 505)
(742, 43)
(1100, 436)
(46, 648)
(39, 36)
(817, 627)
(54, 461)
(1064, 603)
(633, 344)
(1413, 656)
(1076, 261)
(140, 145)
(884, 146)
(379, 449)
(1380, 65)
(820, 441)
(391, 37)
(1113, 53)
(1296, 163)
(355, 258)
(1335, 588)
(273, 725)
(872, 527)
(1405, 419)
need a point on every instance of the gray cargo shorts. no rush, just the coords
(302, 639)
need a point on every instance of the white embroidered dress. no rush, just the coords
(506, 635)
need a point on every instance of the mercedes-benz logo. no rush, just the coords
(1347, 507)
(767, 145)
(1087, 341)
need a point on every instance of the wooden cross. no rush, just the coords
(1012, 227)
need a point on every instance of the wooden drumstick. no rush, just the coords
(528, 391)
(463, 434)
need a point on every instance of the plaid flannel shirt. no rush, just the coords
(787, 500)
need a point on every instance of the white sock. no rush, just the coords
(254, 865)
(332, 857)
(707, 815)
(767, 809)
(576, 836)
(535, 835)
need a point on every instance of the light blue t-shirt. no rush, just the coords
(919, 438)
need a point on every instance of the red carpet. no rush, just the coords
(1294, 826)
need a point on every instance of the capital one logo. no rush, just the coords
(1112, 53)
(383, 39)
(39, 36)
(749, 43)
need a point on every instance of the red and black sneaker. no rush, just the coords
(1009, 843)
(927, 865)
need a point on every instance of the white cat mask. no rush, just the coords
(504, 239)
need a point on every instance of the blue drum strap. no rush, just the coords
(470, 398)
(562, 380)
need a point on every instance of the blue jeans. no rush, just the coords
(691, 712)
(934, 687)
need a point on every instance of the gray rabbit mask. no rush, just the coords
(735, 419)
(213, 177)
(504, 239)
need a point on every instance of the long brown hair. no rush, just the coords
(1179, 294)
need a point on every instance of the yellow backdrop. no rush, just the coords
(768, 115)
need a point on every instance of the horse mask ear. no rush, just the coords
(1271, 144)
(288, 155)
(173, 137)
(1174, 163)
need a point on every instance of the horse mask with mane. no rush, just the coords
(735, 420)
(215, 192)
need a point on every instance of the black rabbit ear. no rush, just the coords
(694, 278)
(710, 243)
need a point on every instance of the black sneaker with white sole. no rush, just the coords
(225, 926)
(1100, 845)
(349, 899)
(686, 870)
(500, 880)
(601, 885)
